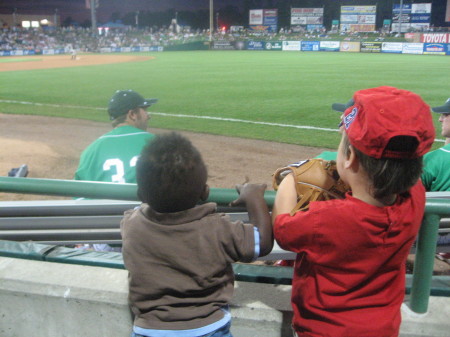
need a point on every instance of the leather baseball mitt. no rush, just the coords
(315, 180)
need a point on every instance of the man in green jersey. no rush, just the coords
(436, 172)
(113, 156)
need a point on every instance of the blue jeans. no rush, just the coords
(222, 332)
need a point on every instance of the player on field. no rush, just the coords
(113, 156)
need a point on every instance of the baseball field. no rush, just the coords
(275, 96)
(266, 99)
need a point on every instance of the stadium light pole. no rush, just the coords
(14, 14)
(400, 19)
(56, 17)
(94, 4)
(211, 19)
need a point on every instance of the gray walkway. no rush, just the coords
(435, 323)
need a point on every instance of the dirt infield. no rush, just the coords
(65, 61)
(51, 148)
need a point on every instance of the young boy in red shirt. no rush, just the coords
(349, 277)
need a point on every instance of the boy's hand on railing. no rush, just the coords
(247, 192)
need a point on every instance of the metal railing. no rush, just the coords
(100, 190)
(437, 207)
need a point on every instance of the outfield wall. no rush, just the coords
(60, 51)
(426, 44)
(337, 46)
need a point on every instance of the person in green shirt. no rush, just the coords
(113, 156)
(436, 171)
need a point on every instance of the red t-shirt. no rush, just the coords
(349, 277)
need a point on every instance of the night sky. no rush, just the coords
(77, 10)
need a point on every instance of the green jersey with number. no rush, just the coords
(436, 171)
(113, 156)
(327, 155)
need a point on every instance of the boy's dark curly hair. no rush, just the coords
(171, 174)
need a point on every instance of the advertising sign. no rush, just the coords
(435, 38)
(263, 20)
(358, 9)
(18, 52)
(420, 26)
(274, 45)
(255, 45)
(371, 47)
(434, 48)
(420, 18)
(366, 19)
(239, 45)
(412, 48)
(358, 18)
(347, 46)
(223, 45)
(260, 28)
(256, 17)
(415, 16)
(310, 46)
(329, 45)
(392, 47)
(270, 16)
(291, 45)
(306, 16)
(270, 19)
(421, 8)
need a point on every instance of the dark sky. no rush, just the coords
(77, 10)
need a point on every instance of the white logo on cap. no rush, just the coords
(348, 120)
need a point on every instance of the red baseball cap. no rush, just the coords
(375, 116)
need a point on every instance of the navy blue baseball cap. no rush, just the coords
(341, 107)
(443, 109)
(125, 100)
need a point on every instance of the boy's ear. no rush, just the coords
(351, 161)
(205, 193)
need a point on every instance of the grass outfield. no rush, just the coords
(254, 88)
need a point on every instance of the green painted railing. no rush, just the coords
(435, 209)
(426, 242)
(100, 190)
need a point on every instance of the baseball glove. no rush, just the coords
(315, 180)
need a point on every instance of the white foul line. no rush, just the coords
(244, 121)
(180, 116)
(306, 127)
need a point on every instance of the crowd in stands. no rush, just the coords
(83, 39)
